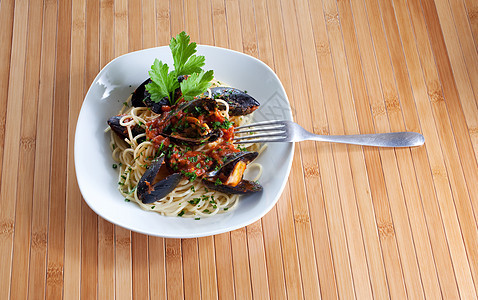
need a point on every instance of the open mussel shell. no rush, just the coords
(122, 131)
(244, 187)
(193, 141)
(230, 162)
(239, 102)
(192, 106)
(201, 103)
(149, 193)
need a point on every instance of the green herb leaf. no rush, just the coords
(196, 84)
(184, 61)
(164, 82)
(193, 65)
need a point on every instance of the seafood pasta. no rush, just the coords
(180, 160)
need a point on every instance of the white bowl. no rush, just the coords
(112, 86)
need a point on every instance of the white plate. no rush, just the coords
(112, 86)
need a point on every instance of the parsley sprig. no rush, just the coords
(164, 82)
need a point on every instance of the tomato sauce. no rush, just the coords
(196, 120)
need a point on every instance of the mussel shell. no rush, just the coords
(204, 103)
(149, 193)
(239, 102)
(140, 94)
(231, 160)
(244, 187)
(208, 138)
(122, 131)
(161, 189)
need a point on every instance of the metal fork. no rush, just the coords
(288, 131)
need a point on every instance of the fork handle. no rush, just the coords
(392, 139)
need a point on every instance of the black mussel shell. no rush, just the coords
(193, 141)
(244, 187)
(207, 104)
(140, 94)
(161, 189)
(230, 162)
(149, 193)
(191, 106)
(122, 131)
(239, 102)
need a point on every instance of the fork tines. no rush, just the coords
(271, 131)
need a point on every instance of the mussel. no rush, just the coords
(239, 102)
(195, 140)
(148, 191)
(122, 131)
(194, 133)
(228, 177)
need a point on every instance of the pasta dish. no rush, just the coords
(173, 140)
(194, 142)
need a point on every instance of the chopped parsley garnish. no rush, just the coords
(126, 200)
(197, 218)
(195, 201)
(218, 181)
(115, 166)
(190, 175)
(181, 213)
(224, 125)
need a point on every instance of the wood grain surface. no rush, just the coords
(352, 222)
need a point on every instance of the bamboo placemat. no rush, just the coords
(352, 222)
